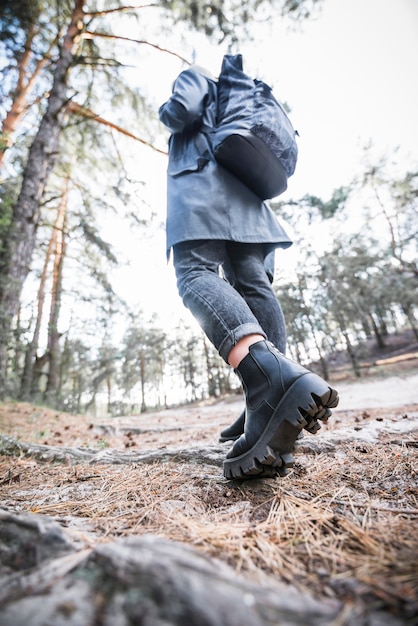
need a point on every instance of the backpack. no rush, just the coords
(254, 138)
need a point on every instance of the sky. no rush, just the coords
(350, 79)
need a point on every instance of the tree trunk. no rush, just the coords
(25, 84)
(142, 371)
(27, 377)
(366, 327)
(379, 337)
(412, 321)
(53, 335)
(17, 255)
(211, 383)
(322, 360)
(109, 394)
(352, 354)
(39, 375)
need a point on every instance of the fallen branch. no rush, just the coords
(212, 455)
(390, 360)
(397, 359)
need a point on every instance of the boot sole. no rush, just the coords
(306, 401)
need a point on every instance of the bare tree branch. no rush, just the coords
(91, 35)
(73, 107)
(121, 9)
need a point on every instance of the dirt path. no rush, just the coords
(394, 391)
(342, 525)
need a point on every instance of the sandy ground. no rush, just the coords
(389, 392)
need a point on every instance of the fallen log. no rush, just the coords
(397, 359)
(390, 360)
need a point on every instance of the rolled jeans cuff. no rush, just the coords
(235, 335)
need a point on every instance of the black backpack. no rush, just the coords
(254, 138)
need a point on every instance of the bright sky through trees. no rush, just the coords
(349, 77)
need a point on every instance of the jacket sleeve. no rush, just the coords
(184, 110)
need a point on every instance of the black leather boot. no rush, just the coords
(235, 430)
(282, 398)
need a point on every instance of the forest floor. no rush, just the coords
(343, 524)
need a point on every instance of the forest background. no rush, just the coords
(89, 317)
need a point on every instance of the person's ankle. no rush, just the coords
(242, 348)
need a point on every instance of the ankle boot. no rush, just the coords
(235, 430)
(282, 398)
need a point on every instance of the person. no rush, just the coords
(221, 236)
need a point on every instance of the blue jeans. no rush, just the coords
(228, 310)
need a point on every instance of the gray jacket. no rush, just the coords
(205, 201)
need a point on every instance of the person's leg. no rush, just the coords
(245, 268)
(247, 262)
(281, 396)
(220, 310)
(299, 397)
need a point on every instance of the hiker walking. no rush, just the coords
(216, 223)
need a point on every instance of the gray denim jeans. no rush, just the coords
(225, 286)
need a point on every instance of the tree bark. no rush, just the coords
(322, 360)
(351, 354)
(142, 369)
(209, 371)
(379, 337)
(26, 82)
(27, 378)
(53, 349)
(17, 254)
